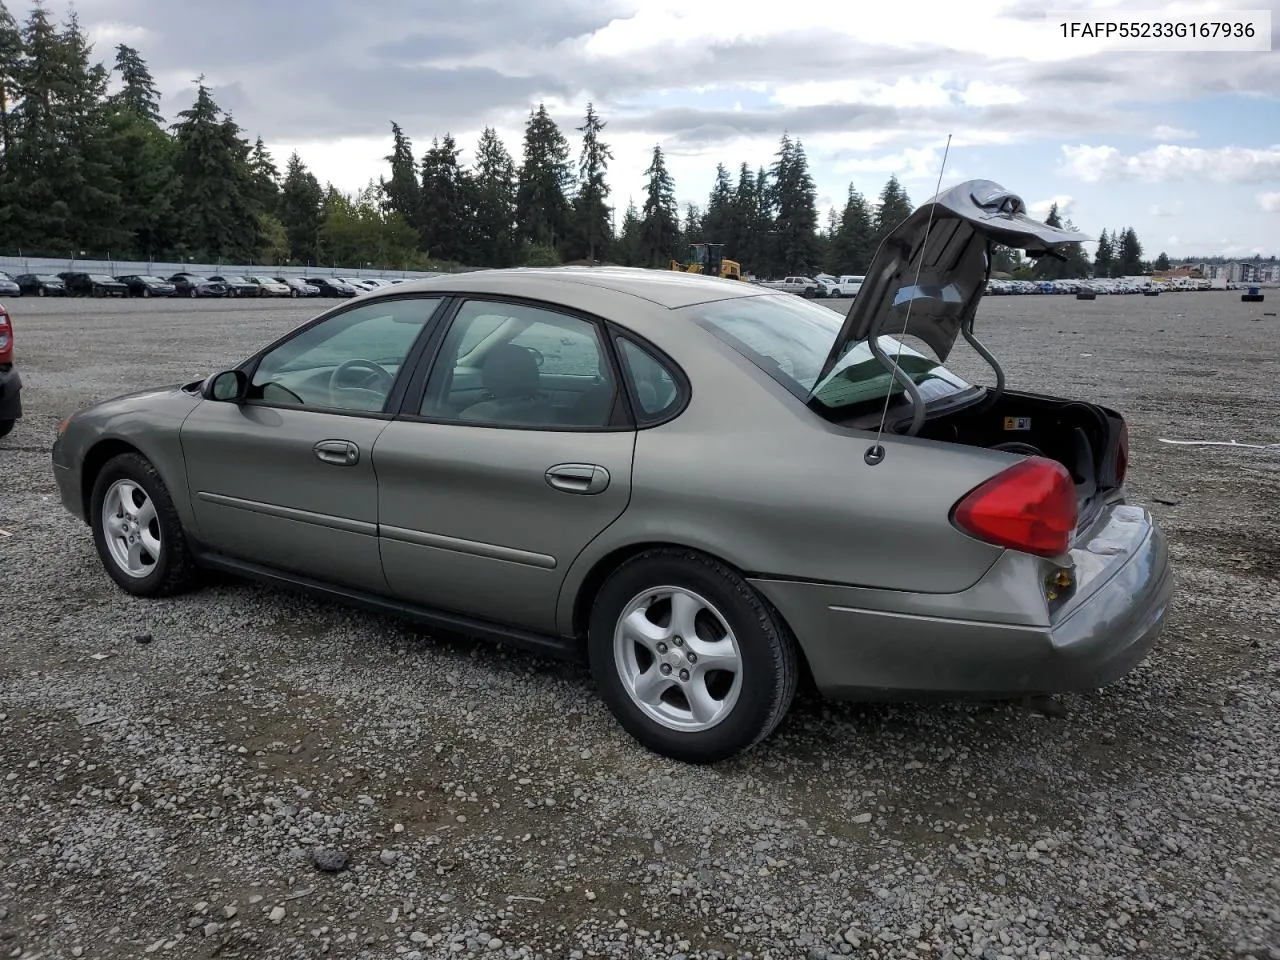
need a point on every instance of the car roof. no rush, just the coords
(578, 286)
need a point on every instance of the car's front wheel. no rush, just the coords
(690, 659)
(137, 530)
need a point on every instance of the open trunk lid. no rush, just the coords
(959, 223)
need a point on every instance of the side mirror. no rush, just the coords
(229, 386)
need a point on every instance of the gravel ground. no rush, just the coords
(241, 772)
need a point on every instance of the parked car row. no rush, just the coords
(76, 284)
(1102, 285)
(822, 286)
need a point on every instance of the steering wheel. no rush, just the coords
(538, 358)
(379, 373)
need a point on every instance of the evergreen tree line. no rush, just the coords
(82, 170)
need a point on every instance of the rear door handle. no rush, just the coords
(585, 478)
(344, 453)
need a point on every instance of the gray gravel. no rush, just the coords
(271, 776)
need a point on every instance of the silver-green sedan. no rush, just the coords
(704, 488)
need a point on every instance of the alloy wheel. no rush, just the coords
(131, 528)
(678, 659)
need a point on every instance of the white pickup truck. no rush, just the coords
(802, 286)
(848, 285)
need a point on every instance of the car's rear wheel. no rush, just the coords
(137, 530)
(692, 662)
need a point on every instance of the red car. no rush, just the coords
(10, 382)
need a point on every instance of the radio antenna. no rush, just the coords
(875, 452)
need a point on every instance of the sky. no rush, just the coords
(1182, 146)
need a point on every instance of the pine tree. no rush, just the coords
(265, 178)
(853, 245)
(1129, 255)
(444, 202)
(1104, 256)
(215, 198)
(895, 206)
(760, 229)
(796, 214)
(1050, 267)
(139, 94)
(541, 208)
(717, 223)
(1162, 262)
(59, 187)
(629, 238)
(691, 227)
(660, 224)
(739, 236)
(402, 194)
(495, 197)
(300, 211)
(11, 64)
(592, 213)
(1077, 262)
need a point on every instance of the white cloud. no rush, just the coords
(1040, 209)
(108, 34)
(1167, 162)
(979, 93)
(1166, 134)
(907, 92)
(1269, 202)
(1162, 210)
(923, 163)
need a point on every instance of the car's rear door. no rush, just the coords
(286, 478)
(513, 452)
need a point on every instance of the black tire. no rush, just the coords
(293, 293)
(6, 427)
(39, 291)
(175, 571)
(191, 292)
(146, 292)
(770, 668)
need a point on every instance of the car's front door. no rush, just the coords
(285, 478)
(517, 455)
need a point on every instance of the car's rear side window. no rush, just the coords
(656, 389)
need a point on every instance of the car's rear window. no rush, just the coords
(789, 339)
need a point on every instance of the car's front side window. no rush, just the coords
(349, 361)
(511, 364)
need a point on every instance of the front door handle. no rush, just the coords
(585, 478)
(344, 453)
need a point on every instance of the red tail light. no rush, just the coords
(1122, 454)
(6, 338)
(1029, 507)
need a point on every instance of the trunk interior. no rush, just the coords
(1084, 437)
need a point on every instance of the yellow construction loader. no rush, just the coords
(707, 259)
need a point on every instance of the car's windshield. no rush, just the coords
(790, 338)
(235, 279)
(101, 278)
(149, 279)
